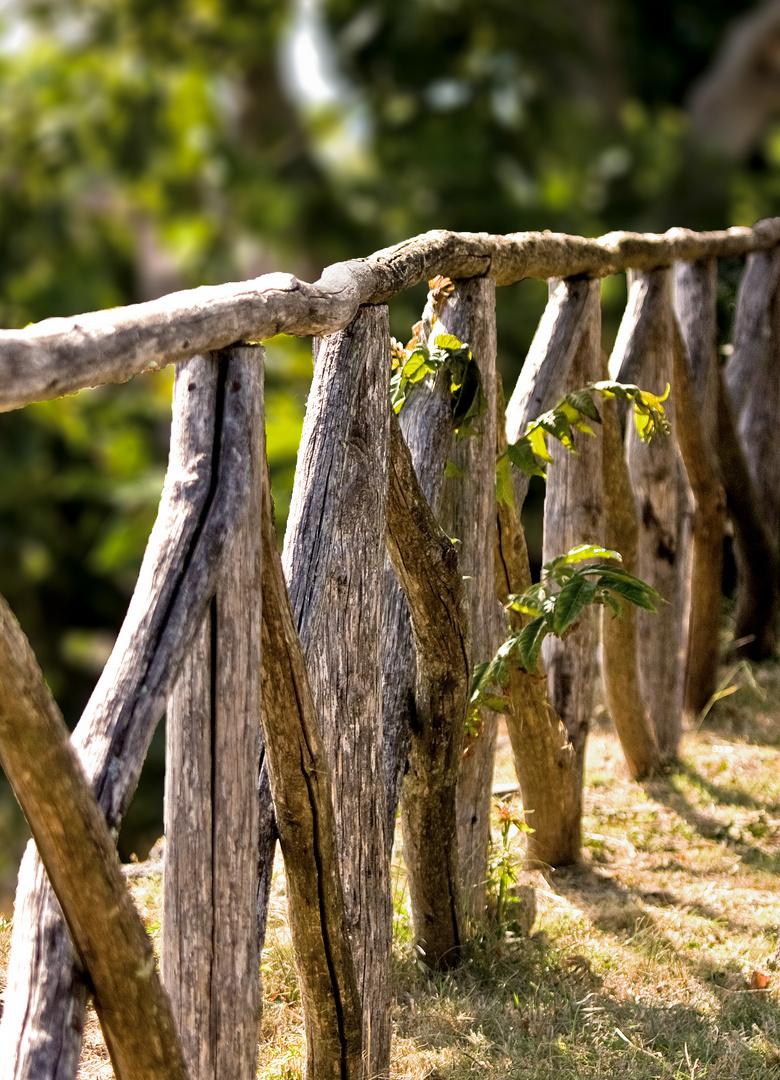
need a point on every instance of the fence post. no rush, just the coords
(334, 563)
(211, 952)
(573, 515)
(203, 496)
(752, 377)
(643, 354)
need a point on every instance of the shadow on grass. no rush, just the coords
(518, 1009)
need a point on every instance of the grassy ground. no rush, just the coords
(653, 959)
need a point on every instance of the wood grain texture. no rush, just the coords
(573, 515)
(468, 513)
(210, 946)
(752, 377)
(80, 858)
(619, 653)
(703, 524)
(204, 491)
(334, 563)
(552, 351)
(544, 758)
(427, 566)
(643, 354)
(300, 779)
(60, 356)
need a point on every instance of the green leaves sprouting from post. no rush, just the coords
(554, 605)
(573, 413)
(412, 363)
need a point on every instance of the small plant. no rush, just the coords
(414, 361)
(573, 413)
(502, 867)
(554, 605)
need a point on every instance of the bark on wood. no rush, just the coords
(334, 562)
(619, 656)
(204, 492)
(753, 382)
(468, 512)
(572, 515)
(755, 549)
(696, 389)
(552, 351)
(544, 758)
(301, 782)
(80, 858)
(426, 425)
(427, 566)
(63, 355)
(643, 354)
(211, 951)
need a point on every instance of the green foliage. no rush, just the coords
(503, 863)
(572, 413)
(554, 606)
(411, 364)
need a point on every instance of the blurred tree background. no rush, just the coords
(148, 147)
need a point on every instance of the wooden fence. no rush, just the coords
(304, 694)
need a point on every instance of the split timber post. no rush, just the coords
(573, 515)
(334, 563)
(752, 378)
(643, 354)
(211, 948)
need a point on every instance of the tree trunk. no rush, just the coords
(753, 382)
(573, 515)
(334, 560)
(204, 494)
(544, 758)
(468, 512)
(643, 354)
(301, 783)
(427, 566)
(211, 952)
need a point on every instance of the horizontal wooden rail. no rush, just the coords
(62, 355)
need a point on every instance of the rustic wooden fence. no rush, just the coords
(304, 694)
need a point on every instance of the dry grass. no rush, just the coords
(643, 962)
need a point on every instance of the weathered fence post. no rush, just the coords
(573, 515)
(752, 377)
(334, 562)
(545, 760)
(695, 298)
(204, 494)
(211, 951)
(643, 354)
(468, 513)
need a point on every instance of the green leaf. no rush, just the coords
(613, 604)
(417, 365)
(582, 401)
(453, 471)
(521, 455)
(447, 341)
(504, 494)
(575, 595)
(633, 590)
(581, 552)
(529, 642)
(468, 400)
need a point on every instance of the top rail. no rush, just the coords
(63, 355)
